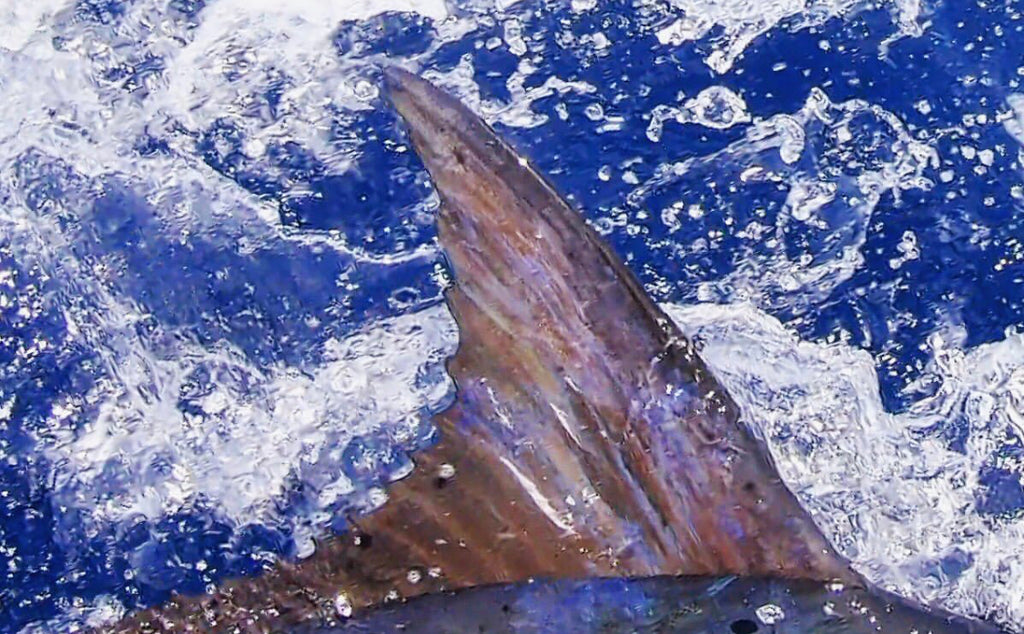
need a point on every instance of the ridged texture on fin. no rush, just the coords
(587, 438)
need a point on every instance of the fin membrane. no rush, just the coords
(587, 438)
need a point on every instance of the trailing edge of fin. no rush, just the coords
(587, 437)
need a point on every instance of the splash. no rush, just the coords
(716, 107)
(914, 512)
(517, 113)
(190, 420)
(742, 21)
(834, 160)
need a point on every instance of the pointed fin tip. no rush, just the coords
(398, 75)
(396, 78)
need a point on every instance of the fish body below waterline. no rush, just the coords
(690, 605)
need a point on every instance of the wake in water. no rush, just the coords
(218, 281)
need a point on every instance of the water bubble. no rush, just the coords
(718, 107)
(770, 614)
(594, 112)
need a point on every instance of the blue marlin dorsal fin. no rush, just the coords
(580, 393)
(587, 438)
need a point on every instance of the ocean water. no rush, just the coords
(220, 316)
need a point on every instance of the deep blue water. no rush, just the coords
(969, 272)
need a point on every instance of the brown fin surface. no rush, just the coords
(587, 437)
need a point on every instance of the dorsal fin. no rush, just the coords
(587, 437)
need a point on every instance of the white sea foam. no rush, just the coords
(895, 499)
(171, 421)
(237, 434)
(743, 21)
(516, 113)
